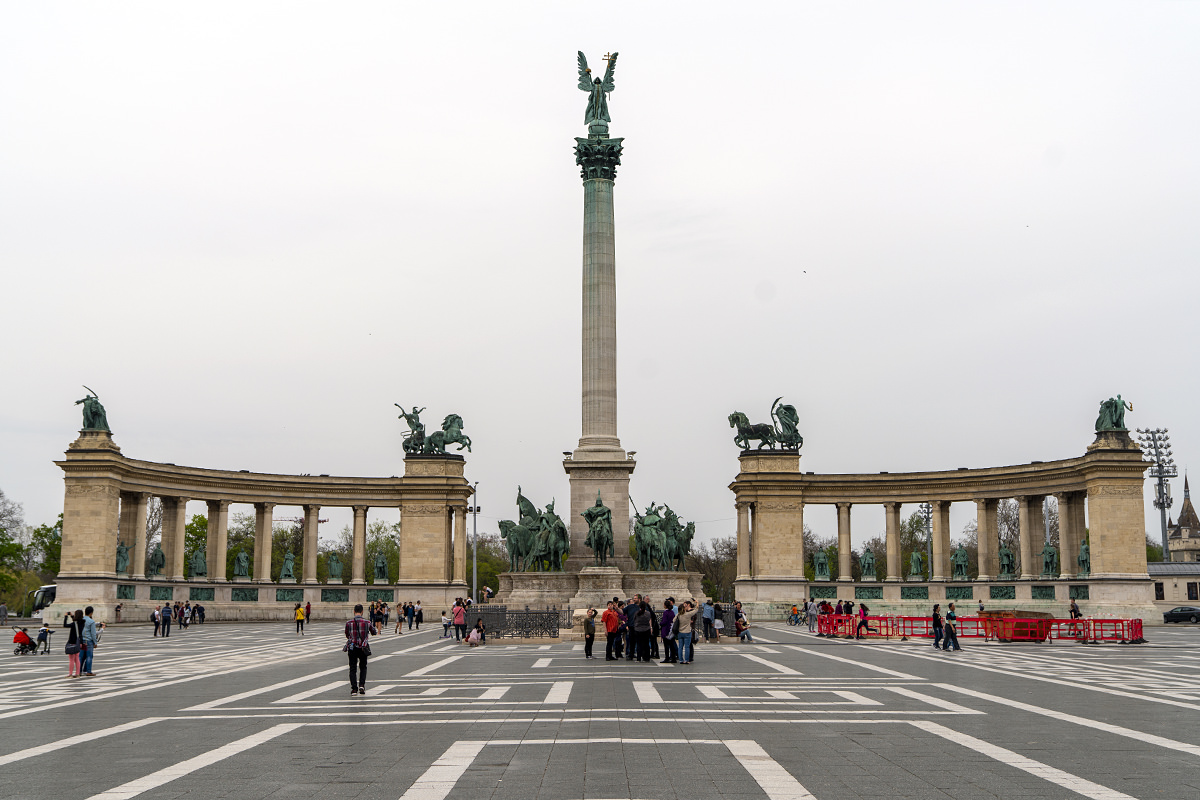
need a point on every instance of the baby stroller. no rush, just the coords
(24, 645)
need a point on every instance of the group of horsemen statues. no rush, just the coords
(539, 540)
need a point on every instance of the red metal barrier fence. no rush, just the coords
(1015, 629)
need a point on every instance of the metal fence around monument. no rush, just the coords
(500, 622)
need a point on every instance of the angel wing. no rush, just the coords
(607, 84)
(585, 74)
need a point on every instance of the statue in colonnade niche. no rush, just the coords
(916, 564)
(1049, 560)
(1008, 564)
(381, 569)
(334, 564)
(122, 558)
(158, 560)
(241, 564)
(600, 532)
(94, 418)
(821, 565)
(289, 562)
(1112, 414)
(1085, 560)
(867, 563)
(200, 563)
(960, 560)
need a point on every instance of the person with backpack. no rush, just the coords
(937, 625)
(358, 648)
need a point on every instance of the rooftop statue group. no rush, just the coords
(1112, 414)
(94, 418)
(660, 541)
(780, 434)
(416, 443)
(538, 541)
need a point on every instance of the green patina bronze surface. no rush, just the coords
(122, 558)
(289, 595)
(335, 595)
(600, 533)
(598, 158)
(381, 569)
(596, 115)
(202, 593)
(1007, 565)
(536, 542)
(1080, 592)
(783, 434)
(94, 418)
(1050, 561)
(158, 560)
(289, 562)
(821, 565)
(1112, 414)
(660, 541)
(126, 591)
(381, 595)
(199, 563)
(868, 592)
(1084, 560)
(914, 592)
(242, 595)
(241, 565)
(416, 442)
(161, 592)
(960, 593)
(916, 564)
(823, 592)
(334, 564)
(1002, 593)
(1042, 592)
(867, 563)
(960, 561)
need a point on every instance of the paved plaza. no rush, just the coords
(254, 711)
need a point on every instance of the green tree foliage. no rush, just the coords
(492, 557)
(1154, 551)
(47, 541)
(382, 539)
(195, 536)
(11, 552)
(285, 538)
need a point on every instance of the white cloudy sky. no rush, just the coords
(944, 231)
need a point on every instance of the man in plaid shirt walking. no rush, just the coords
(358, 632)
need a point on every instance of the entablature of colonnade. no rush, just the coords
(766, 475)
(420, 482)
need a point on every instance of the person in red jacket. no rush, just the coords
(611, 623)
(459, 615)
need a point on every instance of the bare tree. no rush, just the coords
(154, 516)
(1008, 528)
(716, 561)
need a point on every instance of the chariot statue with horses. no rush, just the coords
(782, 434)
(418, 443)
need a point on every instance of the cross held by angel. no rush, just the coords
(596, 116)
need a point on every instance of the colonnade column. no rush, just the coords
(125, 525)
(460, 544)
(174, 524)
(1069, 527)
(358, 557)
(310, 543)
(1031, 524)
(843, 512)
(218, 538)
(264, 523)
(985, 526)
(743, 540)
(939, 569)
(892, 515)
(139, 535)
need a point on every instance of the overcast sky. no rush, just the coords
(943, 231)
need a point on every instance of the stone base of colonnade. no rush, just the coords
(1115, 598)
(225, 602)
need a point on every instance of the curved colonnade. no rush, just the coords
(107, 495)
(1100, 492)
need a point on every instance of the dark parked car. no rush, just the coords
(1182, 614)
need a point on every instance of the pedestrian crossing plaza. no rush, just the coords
(257, 711)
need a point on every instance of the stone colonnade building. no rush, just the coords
(106, 501)
(1100, 491)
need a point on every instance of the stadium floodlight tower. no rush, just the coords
(1156, 444)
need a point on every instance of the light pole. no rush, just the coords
(1156, 444)
(475, 542)
(926, 512)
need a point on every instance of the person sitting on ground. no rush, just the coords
(743, 629)
(475, 638)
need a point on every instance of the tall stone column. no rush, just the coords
(892, 528)
(125, 529)
(218, 538)
(985, 523)
(939, 570)
(460, 544)
(264, 523)
(358, 557)
(599, 464)
(174, 528)
(1068, 548)
(137, 554)
(843, 512)
(743, 541)
(1033, 528)
(311, 513)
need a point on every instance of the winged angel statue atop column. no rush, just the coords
(596, 117)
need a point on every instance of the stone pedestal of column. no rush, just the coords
(287, 580)
(241, 579)
(598, 585)
(610, 477)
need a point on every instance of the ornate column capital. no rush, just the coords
(598, 158)
(360, 509)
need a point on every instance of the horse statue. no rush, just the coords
(683, 546)
(451, 433)
(746, 432)
(517, 538)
